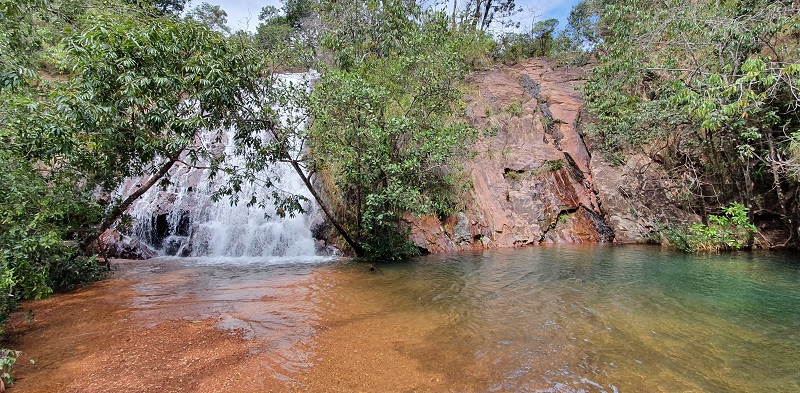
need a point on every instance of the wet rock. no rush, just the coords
(460, 232)
(177, 245)
(322, 247)
(113, 244)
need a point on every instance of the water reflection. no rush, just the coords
(554, 318)
(599, 319)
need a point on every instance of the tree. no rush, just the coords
(212, 16)
(582, 25)
(481, 14)
(538, 41)
(382, 120)
(282, 36)
(174, 7)
(542, 32)
(161, 7)
(297, 10)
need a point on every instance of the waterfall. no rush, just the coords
(181, 218)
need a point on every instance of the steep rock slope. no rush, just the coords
(531, 178)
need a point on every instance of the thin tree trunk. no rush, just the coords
(359, 251)
(773, 163)
(357, 248)
(487, 8)
(476, 15)
(118, 210)
(748, 197)
(455, 7)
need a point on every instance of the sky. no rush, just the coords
(243, 14)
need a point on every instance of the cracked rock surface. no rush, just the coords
(531, 178)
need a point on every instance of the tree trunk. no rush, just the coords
(119, 209)
(748, 196)
(774, 167)
(487, 9)
(455, 8)
(357, 249)
(476, 15)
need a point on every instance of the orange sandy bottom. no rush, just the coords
(100, 339)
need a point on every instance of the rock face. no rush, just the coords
(113, 244)
(637, 197)
(532, 179)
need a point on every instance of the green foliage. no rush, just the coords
(582, 25)
(476, 50)
(715, 84)
(515, 108)
(282, 36)
(39, 212)
(211, 16)
(139, 92)
(8, 358)
(143, 92)
(383, 120)
(552, 166)
(159, 7)
(73, 271)
(731, 231)
(539, 41)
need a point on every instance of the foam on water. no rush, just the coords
(254, 261)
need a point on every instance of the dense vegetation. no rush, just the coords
(709, 89)
(383, 128)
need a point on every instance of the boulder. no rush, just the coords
(113, 244)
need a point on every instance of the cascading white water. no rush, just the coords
(181, 219)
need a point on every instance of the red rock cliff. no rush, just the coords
(531, 177)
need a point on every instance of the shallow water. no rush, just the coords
(539, 319)
(604, 318)
(560, 318)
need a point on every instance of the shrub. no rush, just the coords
(515, 108)
(8, 358)
(730, 231)
(73, 271)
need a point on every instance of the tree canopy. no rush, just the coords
(385, 127)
